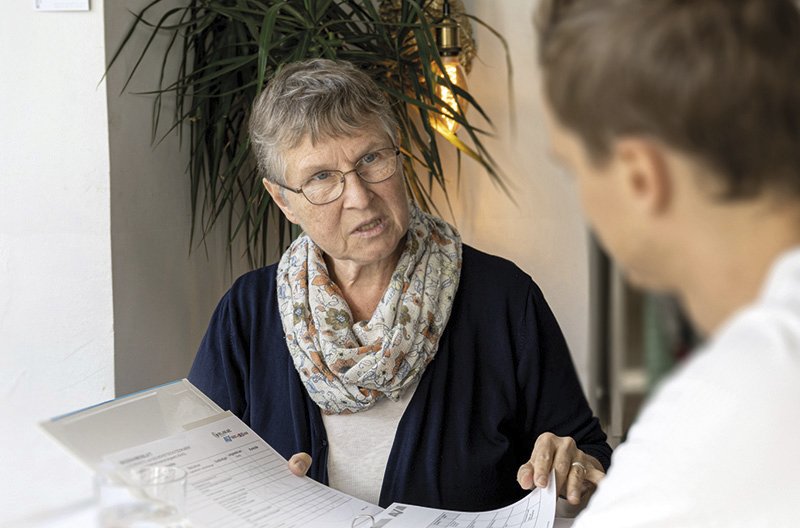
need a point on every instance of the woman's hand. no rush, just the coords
(299, 464)
(577, 473)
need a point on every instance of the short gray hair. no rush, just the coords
(317, 98)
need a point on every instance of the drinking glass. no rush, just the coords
(143, 497)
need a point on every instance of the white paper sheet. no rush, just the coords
(237, 480)
(535, 510)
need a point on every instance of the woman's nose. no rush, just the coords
(356, 194)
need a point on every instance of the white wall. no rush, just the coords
(543, 232)
(87, 205)
(56, 328)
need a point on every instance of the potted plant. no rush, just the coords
(227, 51)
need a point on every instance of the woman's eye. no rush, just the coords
(321, 176)
(370, 158)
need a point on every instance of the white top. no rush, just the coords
(359, 446)
(717, 445)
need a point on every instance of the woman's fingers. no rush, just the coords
(566, 453)
(299, 464)
(575, 482)
(577, 474)
(531, 473)
(553, 452)
(583, 478)
(594, 475)
(525, 476)
(549, 452)
(544, 451)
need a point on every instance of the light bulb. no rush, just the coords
(450, 102)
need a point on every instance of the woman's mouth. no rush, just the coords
(370, 228)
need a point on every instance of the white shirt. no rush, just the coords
(359, 445)
(717, 445)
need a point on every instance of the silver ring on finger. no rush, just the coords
(580, 465)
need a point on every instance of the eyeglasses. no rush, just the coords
(327, 186)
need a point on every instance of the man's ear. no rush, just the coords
(278, 196)
(646, 172)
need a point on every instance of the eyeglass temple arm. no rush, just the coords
(282, 186)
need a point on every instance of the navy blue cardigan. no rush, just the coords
(501, 376)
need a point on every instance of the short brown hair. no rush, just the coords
(716, 79)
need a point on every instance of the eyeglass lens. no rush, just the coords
(374, 167)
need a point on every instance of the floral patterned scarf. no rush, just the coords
(347, 366)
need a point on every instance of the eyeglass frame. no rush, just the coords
(342, 179)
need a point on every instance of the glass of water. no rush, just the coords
(143, 497)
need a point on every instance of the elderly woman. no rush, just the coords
(411, 367)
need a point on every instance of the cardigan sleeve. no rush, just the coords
(556, 401)
(218, 369)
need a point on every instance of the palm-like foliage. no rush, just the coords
(227, 51)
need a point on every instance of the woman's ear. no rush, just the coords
(645, 173)
(279, 197)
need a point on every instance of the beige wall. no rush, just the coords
(163, 292)
(542, 230)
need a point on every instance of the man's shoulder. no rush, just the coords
(759, 347)
(731, 405)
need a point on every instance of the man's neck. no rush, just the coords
(726, 266)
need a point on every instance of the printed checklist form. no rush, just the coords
(236, 480)
(535, 510)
